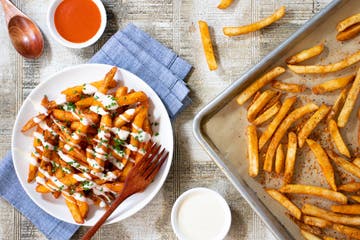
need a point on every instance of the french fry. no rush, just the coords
(306, 54)
(333, 84)
(328, 238)
(334, 67)
(32, 173)
(268, 114)
(350, 187)
(272, 102)
(358, 133)
(33, 122)
(256, 96)
(42, 189)
(207, 45)
(284, 126)
(324, 162)
(279, 159)
(109, 78)
(308, 235)
(349, 33)
(330, 216)
(343, 163)
(355, 198)
(347, 22)
(311, 124)
(253, 151)
(132, 98)
(356, 162)
(235, 31)
(353, 209)
(83, 208)
(290, 158)
(348, 231)
(74, 209)
(314, 191)
(317, 222)
(285, 202)
(288, 87)
(259, 83)
(259, 103)
(339, 102)
(267, 134)
(345, 112)
(337, 139)
(224, 4)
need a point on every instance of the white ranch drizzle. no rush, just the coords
(33, 159)
(122, 134)
(61, 99)
(36, 120)
(129, 112)
(44, 143)
(98, 110)
(55, 180)
(72, 162)
(109, 176)
(89, 89)
(119, 165)
(42, 181)
(108, 101)
(83, 120)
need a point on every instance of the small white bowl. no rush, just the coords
(54, 33)
(185, 201)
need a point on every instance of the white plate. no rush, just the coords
(22, 144)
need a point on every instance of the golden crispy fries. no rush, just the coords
(355, 198)
(284, 126)
(324, 162)
(288, 87)
(350, 187)
(345, 112)
(256, 96)
(334, 67)
(272, 102)
(268, 114)
(337, 139)
(332, 85)
(74, 209)
(330, 216)
(349, 33)
(279, 159)
(276, 121)
(358, 133)
(314, 191)
(293, 209)
(328, 238)
(42, 189)
(348, 231)
(345, 164)
(207, 45)
(32, 173)
(132, 98)
(346, 209)
(259, 103)
(356, 162)
(253, 151)
(290, 158)
(308, 235)
(83, 208)
(339, 102)
(235, 31)
(306, 54)
(347, 22)
(33, 122)
(224, 4)
(317, 222)
(259, 83)
(311, 124)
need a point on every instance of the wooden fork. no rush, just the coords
(140, 176)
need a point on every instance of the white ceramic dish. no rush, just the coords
(22, 143)
(54, 33)
(187, 200)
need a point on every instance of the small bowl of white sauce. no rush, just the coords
(201, 213)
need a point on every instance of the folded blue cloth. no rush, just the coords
(131, 49)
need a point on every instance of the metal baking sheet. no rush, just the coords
(220, 126)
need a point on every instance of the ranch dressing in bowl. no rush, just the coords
(201, 213)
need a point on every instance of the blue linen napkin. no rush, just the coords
(131, 49)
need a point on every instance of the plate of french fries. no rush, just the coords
(77, 136)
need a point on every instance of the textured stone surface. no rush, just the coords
(174, 23)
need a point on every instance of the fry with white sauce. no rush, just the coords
(334, 67)
(338, 104)
(348, 231)
(314, 191)
(308, 235)
(349, 104)
(290, 158)
(267, 134)
(349, 33)
(224, 4)
(311, 123)
(333, 84)
(235, 31)
(253, 151)
(259, 104)
(288, 87)
(350, 187)
(324, 162)
(306, 54)
(268, 114)
(337, 139)
(280, 132)
(353, 209)
(345, 164)
(259, 83)
(279, 159)
(317, 222)
(347, 22)
(285, 202)
(207, 45)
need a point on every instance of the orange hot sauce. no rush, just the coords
(77, 20)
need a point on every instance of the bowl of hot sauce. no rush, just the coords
(76, 23)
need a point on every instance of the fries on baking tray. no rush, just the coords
(86, 142)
